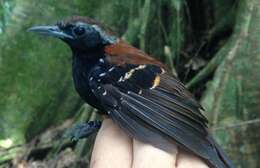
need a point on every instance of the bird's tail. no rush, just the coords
(220, 160)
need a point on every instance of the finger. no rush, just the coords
(112, 148)
(147, 156)
(185, 159)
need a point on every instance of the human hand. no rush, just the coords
(114, 149)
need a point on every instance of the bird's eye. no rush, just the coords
(79, 30)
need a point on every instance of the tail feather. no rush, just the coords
(221, 160)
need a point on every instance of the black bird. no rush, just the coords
(135, 90)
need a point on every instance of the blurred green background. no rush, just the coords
(213, 47)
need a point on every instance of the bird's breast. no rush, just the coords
(80, 72)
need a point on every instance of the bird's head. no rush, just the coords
(79, 33)
(85, 35)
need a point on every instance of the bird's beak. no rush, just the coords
(53, 31)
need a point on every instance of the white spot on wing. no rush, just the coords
(111, 69)
(104, 93)
(102, 74)
(163, 71)
(140, 92)
(101, 60)
(121, 79)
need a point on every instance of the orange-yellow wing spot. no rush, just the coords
(130, 73)
(156, 82)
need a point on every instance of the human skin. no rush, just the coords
(114, 149)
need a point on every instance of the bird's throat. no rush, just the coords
(81, 67)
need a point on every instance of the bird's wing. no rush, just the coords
(151, 105)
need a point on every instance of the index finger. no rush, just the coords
(112, 148)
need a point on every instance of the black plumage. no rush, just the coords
(136, 91)
(168, 116)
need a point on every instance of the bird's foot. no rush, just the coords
(83, 130)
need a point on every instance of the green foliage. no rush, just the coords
(233, 94)
(35, 78)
